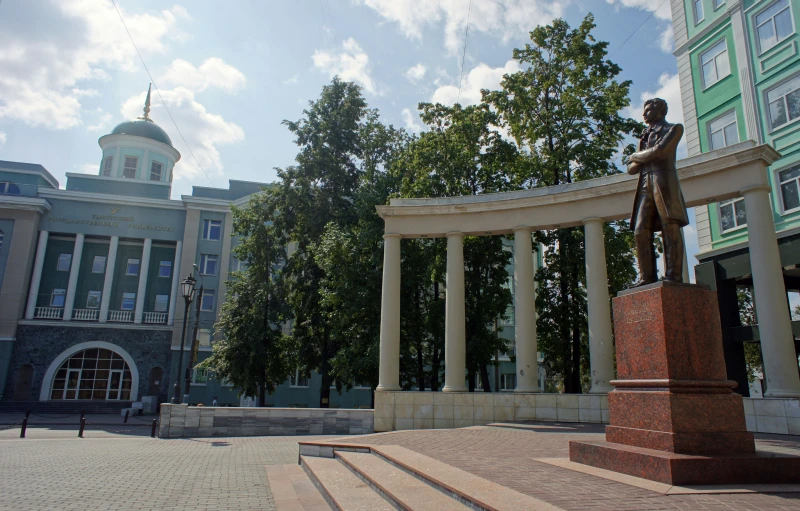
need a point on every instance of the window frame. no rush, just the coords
(58, 292)
(64, 256)
(95, 262)
(98, 294)
(164, 264)
(128, 267)
(773, 129)
(717, 7)
(206, 374)
(702, 17)
(160, 171)
(721, 42)
(503, 378)
(293, 382)
(720, 205)
(779, 183)
(204, 258)
(166, 303)
(207, 224)
(108, 165)
(9, 188)
(756, 26)
(127, 296)
(135, 168)
(719, 118)
(213, 294)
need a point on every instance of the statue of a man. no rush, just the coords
(659, 204)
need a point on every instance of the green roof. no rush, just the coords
(142, 128)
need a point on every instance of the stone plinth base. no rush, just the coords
(687, 469)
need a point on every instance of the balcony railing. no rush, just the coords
(157, 318)
(85, 314)
(120, 316)
(49, 313)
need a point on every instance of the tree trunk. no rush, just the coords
(325, 369)
(487, 387)
(471, 381)
(563, 290)
(576, 359)
(420, 352)
(435, 368)
(262, 394)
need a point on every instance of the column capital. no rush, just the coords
(454, 233)
(521, 228)
(593, 220)
(388, 235)
(757, 188)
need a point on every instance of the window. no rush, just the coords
(165, 269)
(298, 379)
(508, 381)
(238, 265)
(133, 267)
(199, 376)
(698, 11)
(207, 300)
(723, 131)
(99, 264)
(161, 303)
(107, 165)
(774, 25)
(129, 170)
(128, 301)
(93, 300)
(7, 188)
(790, 193)
(64, 261)
(784, 103)
(156, 169)
(212, 229)
(715, 63)
(718, 4)
(95, 373)
(209, 264)
(732, 214)
(57, 297)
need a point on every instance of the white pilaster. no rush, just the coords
(455, 323)
(601, 345)
(176, 272)
(525, 312)
(144, 269)
(772, 307)
(74, 270)
(389, 371)
(36, 277)
(108, 281)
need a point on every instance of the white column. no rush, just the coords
(176, 273)
(525, 312)
(36, 277)
(108, 281)
(389, 371)
(144, 268)
(74, 270)
(455, 346)
(601, 345)
(772, 307)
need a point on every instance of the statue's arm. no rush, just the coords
(664, 146)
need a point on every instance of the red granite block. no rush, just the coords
(668, 331)
(716, 442)
(683, 469)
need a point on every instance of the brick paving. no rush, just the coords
(54, 470)
(508, 457)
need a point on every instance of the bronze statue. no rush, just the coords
(659, 204)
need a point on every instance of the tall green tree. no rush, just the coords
(563, 108)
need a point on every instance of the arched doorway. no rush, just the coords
(22, 387)
(154, 387)
(95, 373)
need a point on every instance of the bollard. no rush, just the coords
(27, 414)
(82, 414)
(24, 427)
(83, 425)
(153, 429)
(126, 416)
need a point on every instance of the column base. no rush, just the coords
(782, 393)
(536, 390)
(454, 389)
(383, 388)
(601, 389)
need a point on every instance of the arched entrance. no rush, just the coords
(91, 371)
(22, 387)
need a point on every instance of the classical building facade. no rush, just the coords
(739, 67)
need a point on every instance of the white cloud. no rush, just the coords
(480, 77)
(214, 72)
(415, 73)
(661, 8)
(103, 120)
(87, 168)
(49, 50)
(351, 64)
(204, 131)
(412, 121)
(667, 40)
(291, 81)
(3, 138)
(670, 91)
(501, 18)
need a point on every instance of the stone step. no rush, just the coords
(405, 490)
(344, 490)
(292, 490)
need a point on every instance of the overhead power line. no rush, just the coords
(464, 54)
(113, 2)
(637, 29)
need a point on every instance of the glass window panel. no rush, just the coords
(709, 74)
(161, 303)
(57, 298)
(741, 214)
(74, 363)
(132, 267)
(766, 36)
(57, 394)
(771, 11)
(99, 264)
(777, 113)
(698, 11)
(791, 199)
(93, 300)
(718, 3)
(717, 140)
(723, 65)
(786, 175)
(62, 373)
(117, 364)
(128, 301)
(165, 269)
(783, 24)
(155, 171)
(731, 134)
(129, 170)
(207, 303)
(726, 217)
(793, 100)
(64, 261)
(126, 395)
(58, 384)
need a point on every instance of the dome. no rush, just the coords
(143, 128)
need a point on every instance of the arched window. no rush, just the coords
(8, 188)
(95, 373)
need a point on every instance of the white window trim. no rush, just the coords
(694, 13)
(135, 169)
(203, 234)
(161, 174)
(789, 122)
(777, 180)
(204, 264)
(54, 294)
(761, 51)
(719, 219)
(715, 119)
(58, 262)
(727, 53)
(720, 6)
(214, 305)
(297, 378)
(99, 299)
(138, 267)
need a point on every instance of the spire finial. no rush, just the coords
(147, 105)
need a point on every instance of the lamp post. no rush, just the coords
(187, 290)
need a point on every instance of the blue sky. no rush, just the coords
(230, 72)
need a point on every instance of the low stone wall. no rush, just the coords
(395, 411)
(178, 421)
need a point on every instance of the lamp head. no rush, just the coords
(187, 288)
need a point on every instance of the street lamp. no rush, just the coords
(187, 290)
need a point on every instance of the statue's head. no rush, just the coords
(654, 110)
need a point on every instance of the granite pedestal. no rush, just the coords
(674, 417)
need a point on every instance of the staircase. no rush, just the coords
(376, 478)
(64, 407)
